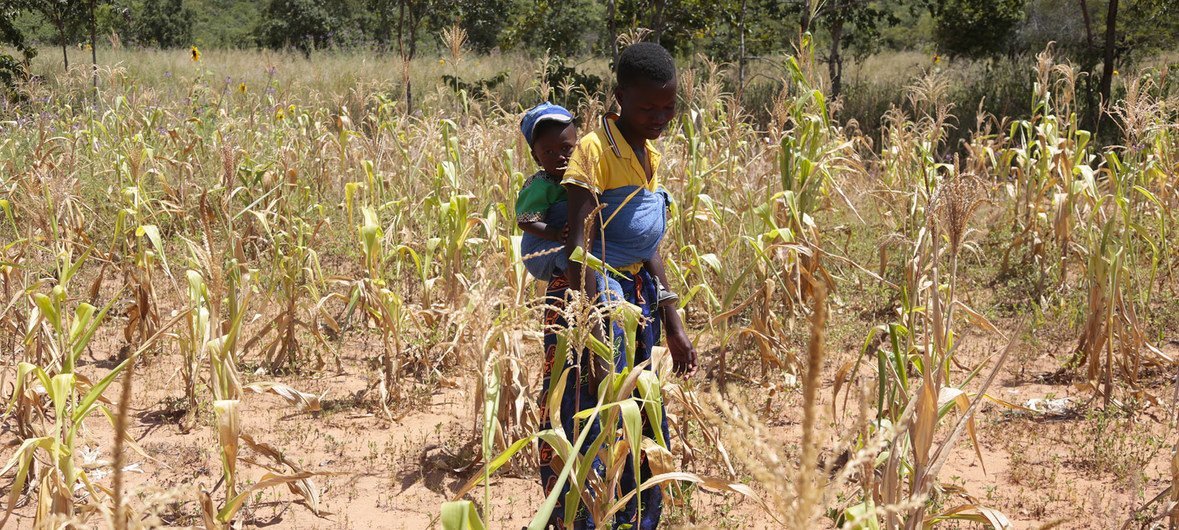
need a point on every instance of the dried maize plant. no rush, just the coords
(908, 170)
(13, 278)
(1051, 168)
(380, 306)
(292, 221)
(796, 486)
(913, 357)
(138, 238)
(504, 408)
(1125, 243)
(227, 391)
(716, 150)
(51, 458)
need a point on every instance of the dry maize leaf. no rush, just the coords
(682, 476)
(976, 318)
(268, 480)
(304, 401)
(306, 488)
(924, 425)
(228, 429)
(208, 512)
(972, 512)
(658, 457)
(840, 377)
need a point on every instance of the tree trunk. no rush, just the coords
(804, 22)
(835, 60)
(61, 34)
(404, 54)
(1111, 34)
(741, 51)
(657, 20)
(612, 27)
(1089, 64)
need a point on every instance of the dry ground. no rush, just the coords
(1079, 469)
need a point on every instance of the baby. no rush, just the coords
(551, 135)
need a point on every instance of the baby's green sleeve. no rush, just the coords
(532, 203)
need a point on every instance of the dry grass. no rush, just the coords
(256, 224)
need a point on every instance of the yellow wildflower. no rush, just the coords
(937, 58)
(241, 87)
(278, 114)
(196, 54)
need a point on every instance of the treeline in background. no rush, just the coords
(871, 50)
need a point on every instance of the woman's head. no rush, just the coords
(551, 136)
(646, 88)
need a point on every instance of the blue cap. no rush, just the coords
(541, 113)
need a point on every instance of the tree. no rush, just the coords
(68, 17)
(302, 24)
(164, 23)
(409, 15)
(13, 68)
(852, 24)
(483, 20)
(558, 27)
(976, 28)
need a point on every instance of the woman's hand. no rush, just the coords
(683, 354)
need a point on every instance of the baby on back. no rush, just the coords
(541, 206)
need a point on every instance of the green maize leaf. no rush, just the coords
(82, 318)
(630, 315)
(79, 343)
(48, 309)
(491, 467)
(87, 403)
(651, 392)
(589, 260)
(460, 515)
(70, 272)
(153, 235)
(556, 392)
(541, 519)
(61, 390)
(584, 467)
(632, 428)
(861, 517)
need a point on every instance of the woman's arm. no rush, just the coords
(683, 354)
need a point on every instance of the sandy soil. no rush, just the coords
(1036, 469)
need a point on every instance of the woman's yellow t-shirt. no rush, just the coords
(603, 161)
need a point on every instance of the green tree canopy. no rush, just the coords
(977, 28)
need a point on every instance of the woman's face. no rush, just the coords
(554, 149)
(647, 106)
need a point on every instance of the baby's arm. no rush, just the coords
(542, 230)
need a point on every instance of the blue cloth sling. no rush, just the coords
(634, 219)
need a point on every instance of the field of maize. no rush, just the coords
(243, 289)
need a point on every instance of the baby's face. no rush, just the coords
(553, 150)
